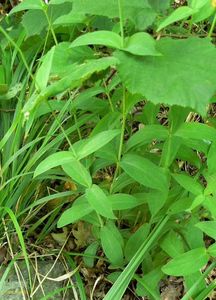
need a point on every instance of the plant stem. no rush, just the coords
(121, 22)
(124, 114)
(51, 27)
(212, 26)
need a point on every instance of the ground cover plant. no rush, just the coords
(108, 137)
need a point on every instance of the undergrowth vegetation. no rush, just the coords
(107, 124)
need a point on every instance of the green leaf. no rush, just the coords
(43, 73)
(99, 202)
(136, 240)
(89, 254)
(144, 171)
(211, 160)
(185, 79)
(189, 183)
(102, 37)
(28, 4)
(197, 131)
(187, 263)
(54, 160)
(123, 201)
(139, 12)
(94, 143)
(212, 250)
(78, 74)
(172, 244)
(70, 18)
(78, 210)
(180, 205)
(111, 245)
(177, 15)
(141, 43)
(159, 5)
(146, 135)
(78, 172)
(34, 22)
(208, 227)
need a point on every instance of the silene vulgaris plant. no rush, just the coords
(119, 101)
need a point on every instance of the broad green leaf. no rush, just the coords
(43, 73)
(172, 244)
(79, 73)
(34, 22)
(89, 254)
(95, 142)
(99, 202)
(189, 184)
(197, 4)
(169, 151)
(54, 160)
(159, 5)
(204, 12)
(70, 18)
(102, 37)
(177, 15)
(211, 159)
(146, 135)
(28, 4)
(211, 186)
(141, 43)
(156, 200)
(140, 13)
(144, 171)
(208, 227)
(185, 79)
(111, 246)
(187, 263)
(78, 172)
(78, 210)
(123, 201)
(212, 250)
(180, 205)
(192, 234)
(197, 131)
(148, 284)
(200, 199)
(136, 240)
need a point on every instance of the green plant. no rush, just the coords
(146, 190)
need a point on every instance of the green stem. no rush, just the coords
(212, 26)
(51, 27)
(123, 123)
(124, 115)
(121, 21)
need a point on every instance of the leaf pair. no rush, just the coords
(140, 43)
